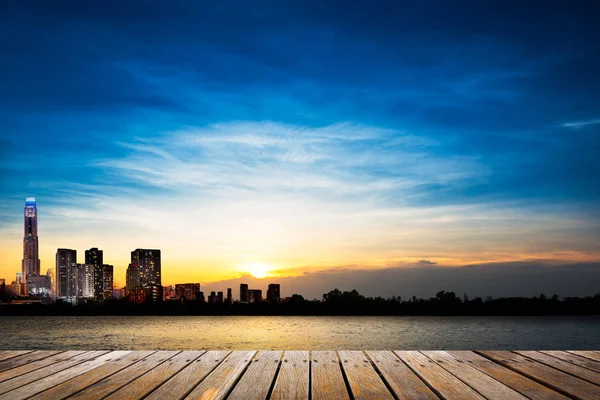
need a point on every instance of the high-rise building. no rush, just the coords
(95, 257)
(229, 296)
(30, 265)
(244, 293)
(188, 291)
(85, 280)
(212, 298)
(66, 274)
(148, 266)
(107, 281)
(132, 278)
(254, 296)
(273, 293)
(220, 297)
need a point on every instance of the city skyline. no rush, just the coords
(304, 140)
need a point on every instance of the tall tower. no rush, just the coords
(31, 261)
(147, 262)
(95, 257)
(66, 274)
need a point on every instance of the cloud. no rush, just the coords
(581, 124)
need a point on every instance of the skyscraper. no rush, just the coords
(273, 293)
(85, 280)
(148, 266)
(31, 261)
(229, 296)
(188, 291)
(107, 281)
(132, 278)
(244, 293)
(66, 274)
(95, 257)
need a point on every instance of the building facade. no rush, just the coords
(244, 293)
(107, 281)
(273, 293)
(95, 257)
(188, 291)
(147, 263)
(85, 281)
(30, 265)
(254, 296)
(66, 274)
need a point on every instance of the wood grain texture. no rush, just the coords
(86, 379)
(489, 387)
(365, 383)
(258, 378)
(63, 375)
(293, 378)
(114, 382)
(5, 355)
(403, 382)
(592, 355)
(24, 369)
(551, 377)
(327, 378)
(565, 366)
(441, 381)
(574, 359)
(182, 383)
(25, 359)
(219, 382)
(43, 372)
(510, 378)
(152, 379)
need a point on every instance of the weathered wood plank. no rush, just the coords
(181, 384)
(489, 387)
(219, 382)
(293, 378)
(24, 369)
(574, 359)
(593, 355)
(403, 382)
(146, 383)
(5, 355)
(43, 372)
(441, 381)
(327, 378)
(510, 378)
(365, 383)
(562, 365)
(84, 380)
(114, 382)
(258, 378)
(551, 377)
(25, 359)
(40, 385)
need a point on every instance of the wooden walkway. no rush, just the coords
(314, 375)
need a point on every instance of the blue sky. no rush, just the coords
(302, 135)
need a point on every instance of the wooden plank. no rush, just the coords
(89, 378)
(182, 383)
(403, 382)
(152, 379)
(219, 382)
(593, 355)
(442, 382)
(24, 369)
(551, 377)
(62, 375)
(114, 382)
(5, 355)
(327, 377)
(40, 373)
(489, 387)
(293, 378)
(574, 359)
(565, 366)
(258, 377)
(25, 359)
(510, 378)
(365, 382)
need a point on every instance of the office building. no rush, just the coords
(39, 285)
(220, 297)
(188, 291)
(254, 296)
(148, 266)
(30, 265)
(244, 293)
(273, 293)
(107, 281)
(95, 257)
(229, 296)
(132, 278)
(85, 281)
(66, 274)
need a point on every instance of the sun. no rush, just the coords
(257, 270)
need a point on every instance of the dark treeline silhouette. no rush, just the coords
(335, 302)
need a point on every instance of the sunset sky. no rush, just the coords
(296, 137)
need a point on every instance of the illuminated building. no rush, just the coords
(107, 281)
(30, 265)
(188, 291)
(39, 285)
(148, 266)
(66, 274)
(273, 293)
(85, 280)
(254, 296)
(244, 293)
(153, 293)
(132, 278)
(95, 257)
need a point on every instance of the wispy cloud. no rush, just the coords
(581, 124)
